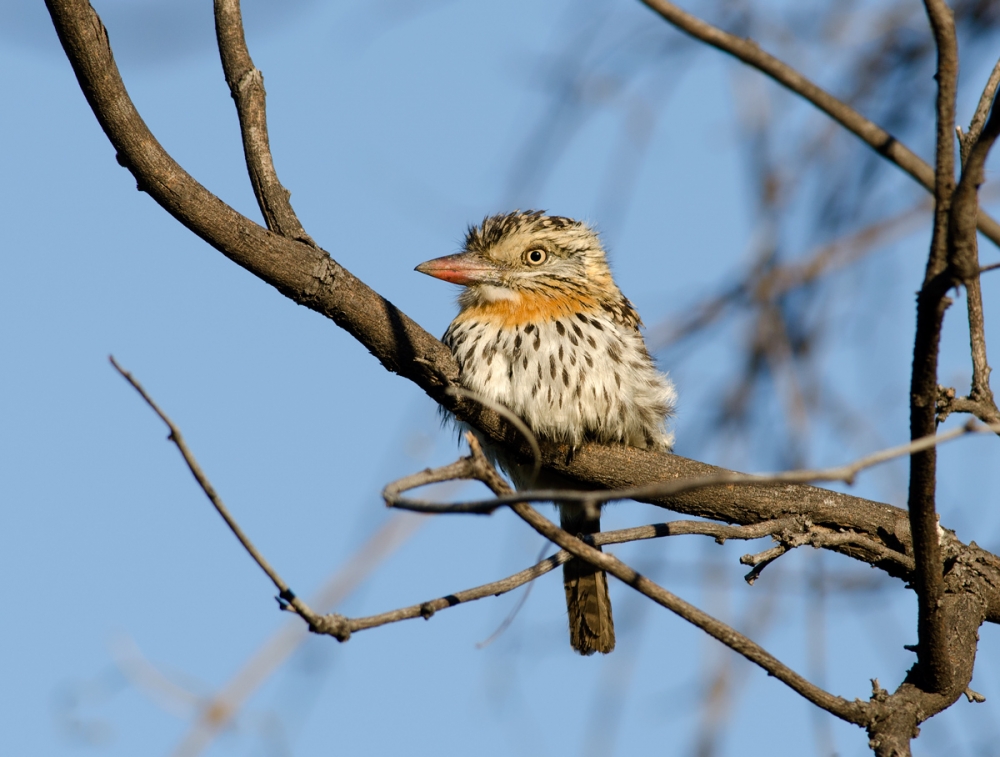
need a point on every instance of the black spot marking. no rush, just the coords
(565, 377)
(524, 362)
(552, 365)
(537, 343)
(591, 342)
(560, 353)
(529, 328)
(572, 358)
(577, 330)
(582, 317)
(560, 328)
(615, 352)
(573, 340)
(596, 324)
(517, 342)
(589, 359)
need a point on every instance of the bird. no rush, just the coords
(543, 330)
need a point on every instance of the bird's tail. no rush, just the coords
(591, 625)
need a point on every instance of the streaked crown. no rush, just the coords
(530, 253)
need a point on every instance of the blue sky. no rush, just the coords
(393, 130)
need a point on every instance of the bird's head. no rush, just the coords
(524, 255)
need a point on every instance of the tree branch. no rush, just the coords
(246, 85)
(846, 473)
(931, 305)
(963, 248)
(869, 132)
(309, 277)
(853, 712)
(285, 595)
(982, 111)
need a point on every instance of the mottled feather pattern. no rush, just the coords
(559, 345)
(570, 379)
(544, 331)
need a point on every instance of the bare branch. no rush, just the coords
(853, 712)
(218, 710)
(948, 403)
(427, 609)
(963, 256)
(286, 596)
(465, 468)
(873, 135)
(246, 84)
(982, 111)
(931, 305)
(846, 473)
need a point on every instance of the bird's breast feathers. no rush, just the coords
(572, 369)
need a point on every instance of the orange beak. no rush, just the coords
(463, 268)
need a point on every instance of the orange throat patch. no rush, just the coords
(525, 308)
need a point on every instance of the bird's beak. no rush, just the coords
(463, 268)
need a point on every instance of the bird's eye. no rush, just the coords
(535, 257)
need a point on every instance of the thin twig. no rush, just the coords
(493, 589)
(505, 412)
(963, 255)
(246, 84)
(218, 710)
(769, 284)
(982, 111)
(514, 612)
(873, 135)
(285, 594)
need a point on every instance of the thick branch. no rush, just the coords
(931, 305)
(872, 134)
